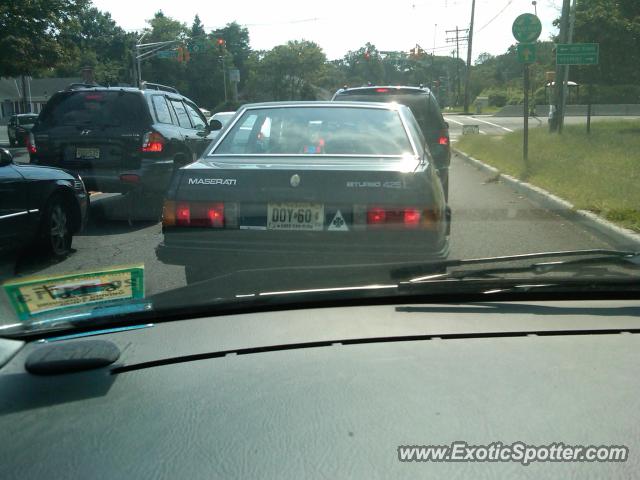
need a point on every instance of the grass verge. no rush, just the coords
(598, 172)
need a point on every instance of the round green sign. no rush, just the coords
(526, 28)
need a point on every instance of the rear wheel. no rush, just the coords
(55, 233)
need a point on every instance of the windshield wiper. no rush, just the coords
(600, 259)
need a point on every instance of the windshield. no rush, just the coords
(27, 120)
(431, 147)
(316, 131)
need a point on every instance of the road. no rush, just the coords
(489, 219)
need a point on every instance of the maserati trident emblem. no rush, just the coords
(295, 180)
(85, 132)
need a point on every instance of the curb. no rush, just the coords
(550, 201)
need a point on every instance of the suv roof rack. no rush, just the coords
(76, 86)
(157, 86)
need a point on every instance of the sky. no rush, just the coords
(339, 26)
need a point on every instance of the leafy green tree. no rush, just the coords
(30, 31)
(166, 71)
(615, 25)
(94, 39)
(287, 72)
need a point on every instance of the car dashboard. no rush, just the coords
(327, 393)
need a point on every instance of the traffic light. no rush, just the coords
(367, 55)
(220, 42)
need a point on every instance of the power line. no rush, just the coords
(496, 16)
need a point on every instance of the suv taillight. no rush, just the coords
(31, 143)
(443, 138)
(153, 142)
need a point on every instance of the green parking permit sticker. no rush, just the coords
(38, 295)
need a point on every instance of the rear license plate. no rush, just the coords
(295, 216)
(87, 153)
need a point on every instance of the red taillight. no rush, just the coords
(153, 142)
(194, 214)
(412, 217)
(443, 139)
(382, 90)
(215, 214)
(398, 217)
(31, 143)
(376, 216)
(183, 214)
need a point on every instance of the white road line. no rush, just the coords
(482, 132)
(492, 124)
(454, 121)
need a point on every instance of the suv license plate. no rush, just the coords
(87, 153)
(295, 216)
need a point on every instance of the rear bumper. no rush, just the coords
(153, 175)
(227, 251)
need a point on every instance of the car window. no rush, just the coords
(27, 120)
(197, 119)
(161, 108)
(181, 113)
(318, 131)
(106, 108)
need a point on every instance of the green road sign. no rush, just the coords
(527, 52)
(577, 54)
(198, 46)
(526, 28)
(167, 54)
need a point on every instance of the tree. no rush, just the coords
(615, 25)
(166, 71)
(30, 33)
(94, 39)
(287, 72)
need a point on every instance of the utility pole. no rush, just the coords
(565, 83)
(558, 100)
(457, 41)
(469, 50)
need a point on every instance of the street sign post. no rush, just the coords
(577, 53)
(526, 28)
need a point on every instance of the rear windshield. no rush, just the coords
(426, 112)
(317, 131)
(95, 108)
(29, 120)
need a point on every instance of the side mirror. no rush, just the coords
(215, 125)
(5, 157)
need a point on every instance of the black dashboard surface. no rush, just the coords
(336, 411)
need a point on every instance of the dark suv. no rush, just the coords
(118, 138)
(425, 108)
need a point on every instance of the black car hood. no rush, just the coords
(36, 172)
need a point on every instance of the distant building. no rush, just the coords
(38, 92)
